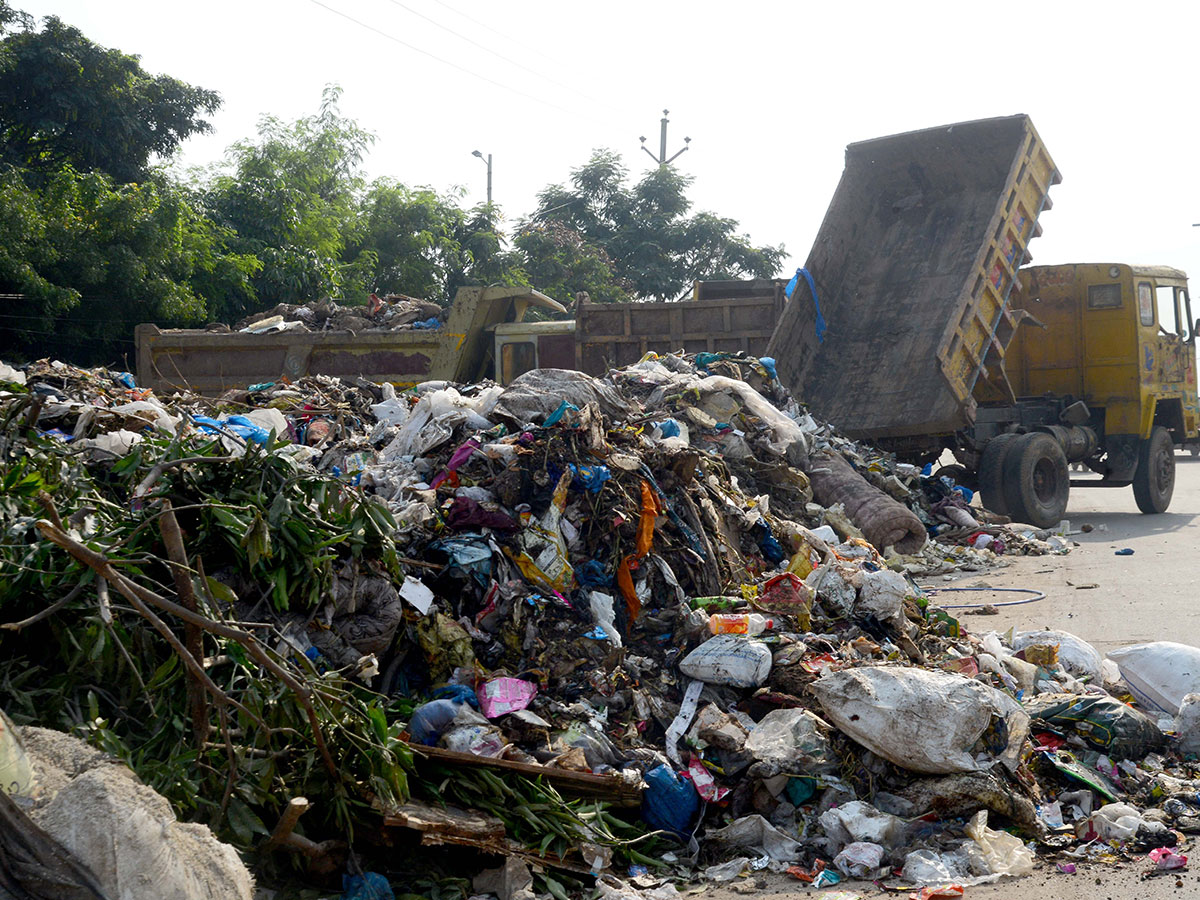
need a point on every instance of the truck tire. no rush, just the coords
(991, 473)
(1036, 480)
(1154, 480)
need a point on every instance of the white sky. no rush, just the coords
(769, 92)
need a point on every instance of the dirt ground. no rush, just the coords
(1108, 600)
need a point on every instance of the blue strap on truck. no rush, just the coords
(791, 289)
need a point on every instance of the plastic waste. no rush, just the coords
(1160, 674)
(923, 867)
(795, 737)
(543, 557)
(922, 720)
(1187, 725)
(739, 623)
(881, 594)
(727, 871)
(755, 832)
(1165, 859)
(729, 659)
(1104, 722)
(17, 777)
(367, 886)
(859, 860)
(1112, 822)
(1075, 654)
(501, 696)
(859, 821)
(670, 803)
(995, 852)
(430, 720)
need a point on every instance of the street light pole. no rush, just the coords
(488, 160)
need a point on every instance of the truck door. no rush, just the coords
(1173, 333)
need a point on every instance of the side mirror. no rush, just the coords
(1196, 330)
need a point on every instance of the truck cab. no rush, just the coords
(1104, 362)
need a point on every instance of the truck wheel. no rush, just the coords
(991, 473)
(1154, 480)
(1036, 480)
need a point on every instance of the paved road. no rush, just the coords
(1152, 595)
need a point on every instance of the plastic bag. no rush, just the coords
(1104, 722)
(729, 659)
(1187, 725)
(1075, 654)
(1160, 674)
(882, 594)
(17, 777)
(924, 721)
(543, 557)
(996, 852)
(669, 802)
(926, 867)
(757, 833)
(501, 696)
(859, 821)
(859, 860)
(794, 737)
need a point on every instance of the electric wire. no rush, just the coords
(445, 62)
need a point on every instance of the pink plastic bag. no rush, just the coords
(501, 696)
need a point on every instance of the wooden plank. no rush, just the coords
(446, 822)
(611, 788)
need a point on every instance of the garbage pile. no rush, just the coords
(656, 624)
(393, 312)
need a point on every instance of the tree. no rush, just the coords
(67, 101)
(90, 259)
(291, 198)
(642, 233)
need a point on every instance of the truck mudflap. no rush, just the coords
(913, 267)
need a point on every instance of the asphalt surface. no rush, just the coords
(1110, 601)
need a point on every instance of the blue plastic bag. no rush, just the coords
(670, 802)
(367, 886)
(430, 720)
(239, 425)
(668, 427)
(589, 478)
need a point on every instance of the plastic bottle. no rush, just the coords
(715, 603)
(739, 623)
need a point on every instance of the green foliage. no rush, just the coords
(65, 101)
(642, 234)
(291, 200)
(120, 684)
(93, 258)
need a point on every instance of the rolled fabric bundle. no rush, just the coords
(884, 521)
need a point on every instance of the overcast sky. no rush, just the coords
(769, 92)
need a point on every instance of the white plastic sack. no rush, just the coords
(996, 852)
(729, 659)
(859, 860)
(792, 736)
(1075, 654)
(922, 720)
(882, 594)
(125, 832)
(1160, 674)
(270, 419)
(17, 777)
(1187, 725)
(859, 821)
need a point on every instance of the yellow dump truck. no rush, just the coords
(925, 333)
